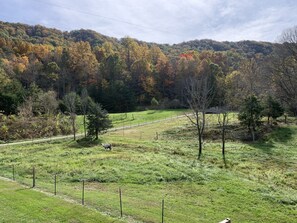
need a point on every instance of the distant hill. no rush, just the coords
(40, 34)
(246, 47)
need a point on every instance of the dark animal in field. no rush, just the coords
(106, 146)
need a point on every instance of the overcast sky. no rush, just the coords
(161, 21)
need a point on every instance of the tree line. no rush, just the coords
(119, 74)
(39, 67)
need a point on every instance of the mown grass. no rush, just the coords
(255, 183)
(22, 204)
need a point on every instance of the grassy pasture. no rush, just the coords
(136, 118)
(256, 182)
(21, 204)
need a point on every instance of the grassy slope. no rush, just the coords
(20, 204)
(135, 118)
(257, 183)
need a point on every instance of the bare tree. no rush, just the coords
(47, 103)
(251, 74)
(223, 113)
(200, 94)
(289, 40)
(84, 107)
(70, 100)
(284, 69)
(223, 119)
(25, 110)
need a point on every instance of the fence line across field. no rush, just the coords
(34, 184)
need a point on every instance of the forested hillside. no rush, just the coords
(123, 74)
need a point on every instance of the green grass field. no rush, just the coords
(22, 204)
(255, 183)
(136, 118)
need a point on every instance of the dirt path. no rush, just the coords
(80, 135)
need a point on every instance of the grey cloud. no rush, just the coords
(165, 21)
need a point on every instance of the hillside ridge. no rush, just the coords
(38, 34)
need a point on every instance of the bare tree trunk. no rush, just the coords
(97, 133)
(200, 129)
(85, 130)
(84, 107)
(200, 93)
(223, 121)
(73, 126)
(253, 134)
(70, 102)
(223, 141)
(200, 145)
(201, 133)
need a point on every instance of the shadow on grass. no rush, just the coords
(24, 188)
(153, 112)
(278, 135)
(86, 142)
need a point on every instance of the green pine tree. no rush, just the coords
(97, 120)
(250, 114)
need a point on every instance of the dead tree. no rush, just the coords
(70, 100)
(84, 107)
(223, 120)
(199, 95)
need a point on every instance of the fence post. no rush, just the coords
(163, 211)
(83, 193)
(121, 205)
(13, 174)
(33, 176)
(55, 184)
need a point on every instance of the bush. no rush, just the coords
(15, 128)
(154, 102)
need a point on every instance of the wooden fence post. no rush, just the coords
(33, 176)
(121, 205)
(55, 192)
(83, 193)
(13, 174)
(163, 211)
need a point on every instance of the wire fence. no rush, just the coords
(113, 199)
(117, 200)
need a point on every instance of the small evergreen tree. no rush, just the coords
(250, 114)
(272, 109)
(97, 120)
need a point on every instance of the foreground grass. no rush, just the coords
(256, 182)
(21, 204)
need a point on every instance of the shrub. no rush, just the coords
(154, 102)
(13, 127)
